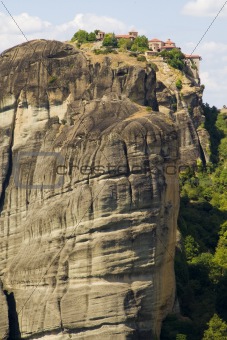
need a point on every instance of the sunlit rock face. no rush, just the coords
(88, 196)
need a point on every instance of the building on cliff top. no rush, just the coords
(131, 35)
(156, 45)
(193, 61)
(100, 35)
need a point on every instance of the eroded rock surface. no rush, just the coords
(88, 212)
(4, 324)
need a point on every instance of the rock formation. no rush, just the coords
(4, 323)
(88, 198)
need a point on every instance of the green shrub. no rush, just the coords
(191, 247)
(179, 84)
(91, 37)
(52, 79)
(181, 337)
(80, 36)
(110, 40)
(217, 329)
(124, 44)
(174, 58)
(83, 36)
(141, 58)
(97, 51)
(140, 44)
(133, 54)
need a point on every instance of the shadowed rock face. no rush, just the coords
(88, 211)
(4, 324)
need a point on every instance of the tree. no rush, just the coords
(179, 84)
(191, 247)
(80, 36)
(221, 299)
(207, 266)
(140, 44)
(223, 149)
(110, 40)
(174, 58)
(91, 36)
(220, 256)
(217, 329)
(125, 44)
(181, 337)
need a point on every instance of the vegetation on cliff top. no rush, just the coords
(139, 44)
(83, 36)
(174, 58)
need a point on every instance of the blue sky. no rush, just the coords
(184, 21)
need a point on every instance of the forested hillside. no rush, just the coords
(201, 258)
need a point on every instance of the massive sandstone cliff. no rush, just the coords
(89, 194)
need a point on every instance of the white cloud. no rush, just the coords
(32, 27)
(213, 70)
(215, 86)
(90, 22)
(204, 8)
(27, 24)
(210, 51)
(214, 47)
(209, 82)
(35, 28)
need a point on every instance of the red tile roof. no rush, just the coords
(169, 42)
(124, 36)
(155, 40)
(192, 56)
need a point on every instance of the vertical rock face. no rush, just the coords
(88, 198)
(184, 107)
(4, 324)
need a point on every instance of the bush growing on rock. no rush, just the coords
(179, 84)
(174, 58)
(141, 58)
(124, 44)
(83, 36)
(80, 36)
(140, 44)
(110, 40)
